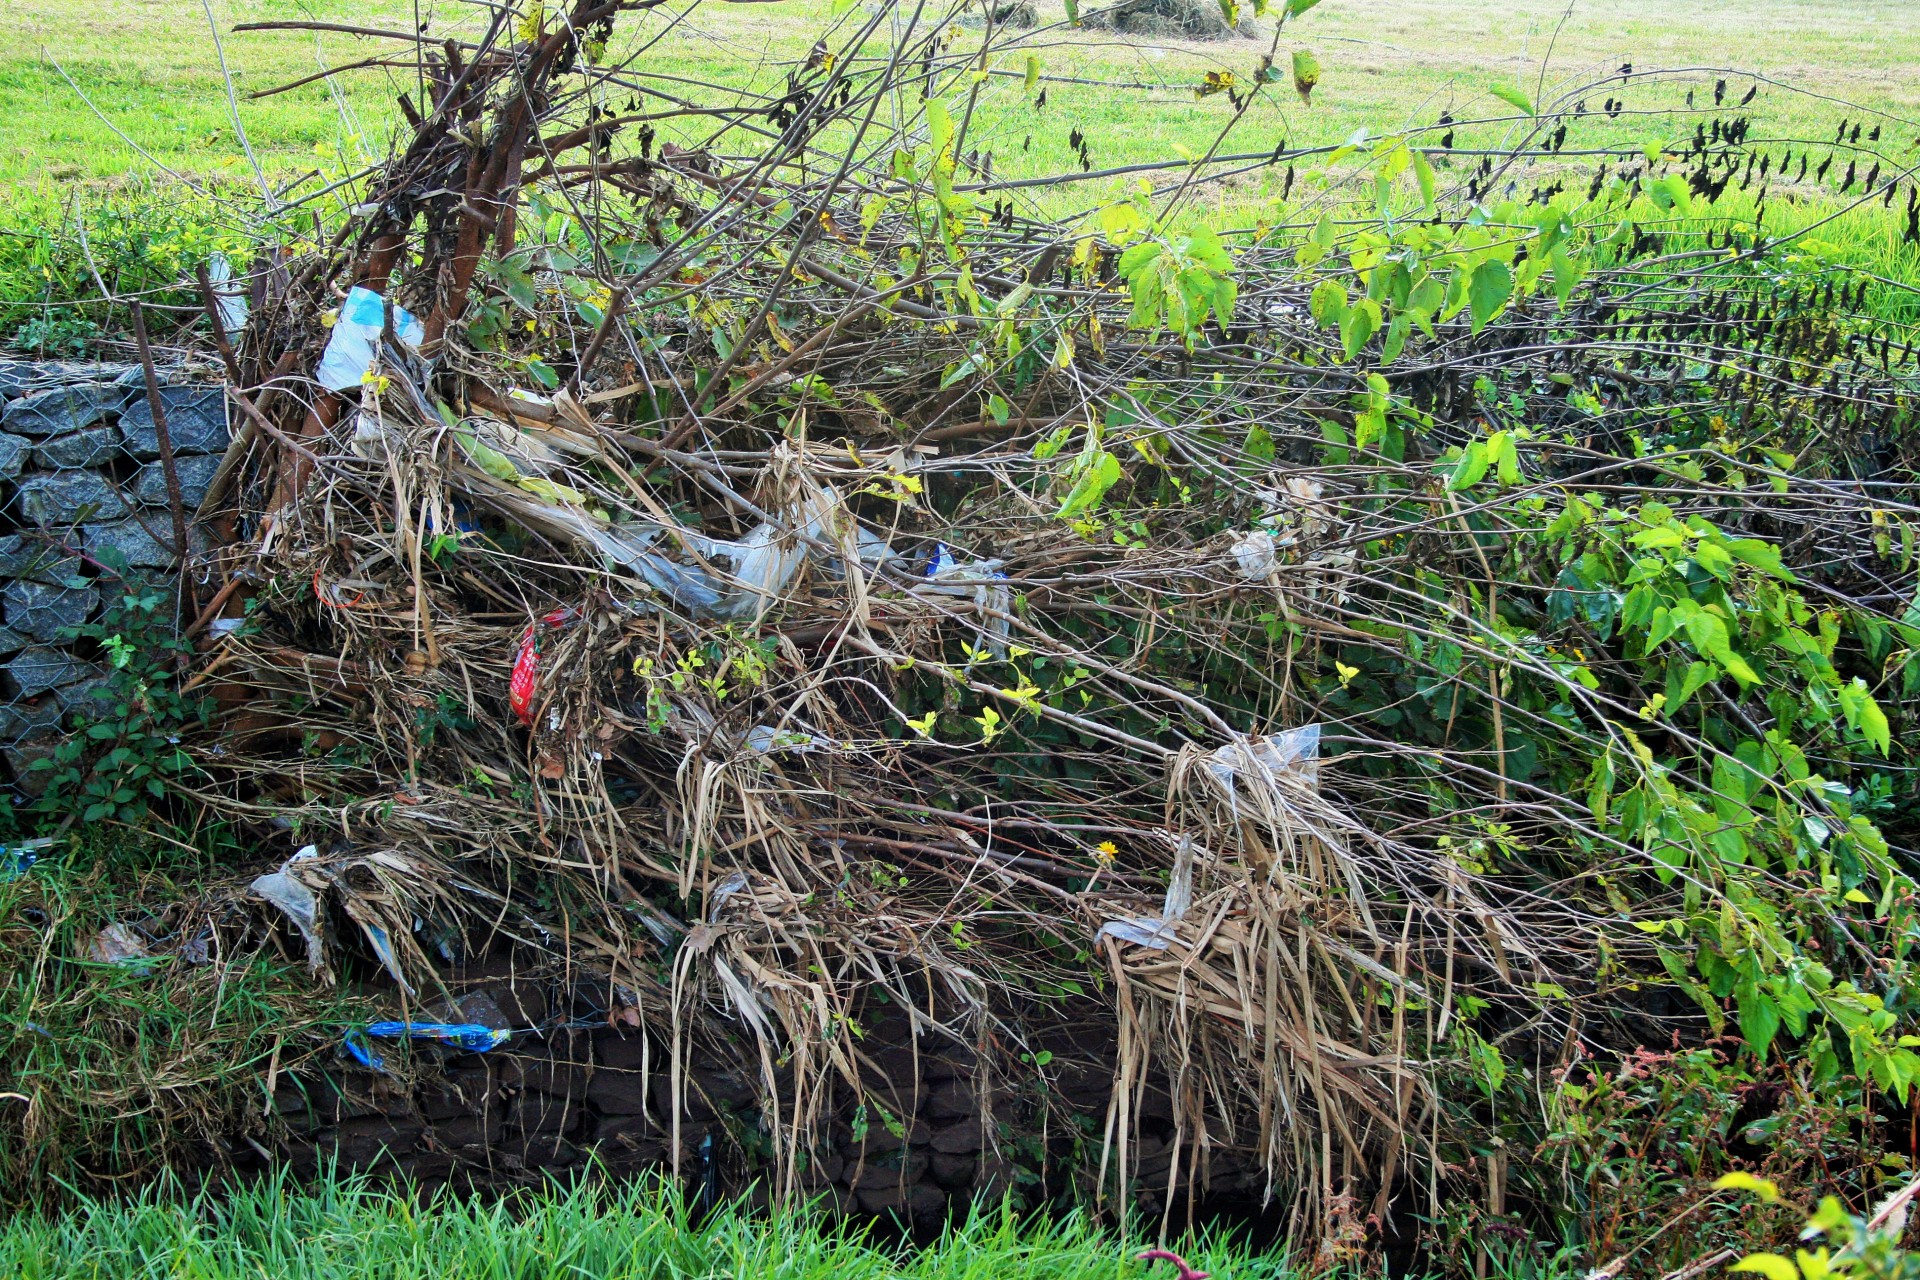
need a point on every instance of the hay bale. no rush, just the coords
(1020, 14)
(1185, 19)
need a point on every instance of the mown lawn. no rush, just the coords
(151, 69)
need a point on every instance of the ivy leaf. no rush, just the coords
(1488, 291)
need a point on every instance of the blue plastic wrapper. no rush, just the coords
(464, 1035)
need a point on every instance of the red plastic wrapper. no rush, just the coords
(526, 665)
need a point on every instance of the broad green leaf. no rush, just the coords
(1473, 464)
(1328, 305)
(1488, 291)
(1033, 71)
(1423, 174)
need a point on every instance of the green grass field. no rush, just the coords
(151, 71)
(346, 1229)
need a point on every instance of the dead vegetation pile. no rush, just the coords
(780, 578)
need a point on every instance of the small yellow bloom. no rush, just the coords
(1106, 850)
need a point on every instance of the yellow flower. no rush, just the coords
(1106, 850)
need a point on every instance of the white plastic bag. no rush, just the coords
(355, 345)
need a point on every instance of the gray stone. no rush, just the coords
(92, 696)
(59, 410)
(13, 454)
(135, 541)
(11, 641)
(32, 672)
(196, 477)
(18, 719)
(196, 422)
(22, 755)
(25, 557)
(17, 377)
(87, 448)
(63, 497)
(45, 613)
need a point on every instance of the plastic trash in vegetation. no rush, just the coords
(229, 298)
(526, 665)
(18, 859)
(298, 902)
(980, 580)
(1158, 932)
(354, 347)
(470, 1036)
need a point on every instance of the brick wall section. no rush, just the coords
(79, 472)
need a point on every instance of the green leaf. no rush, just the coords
(1423, 174)
(1073, 12)
(1741, 1180)
(1507, 93)
(1306, 74)
(1488, 291)
(1328, 305)
(1297, 7)
(1473, 464)
(1770, 1265)
(1033, 71)
(1759, 1022)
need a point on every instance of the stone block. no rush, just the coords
(93, 696)
(952, 1099)
(960, 1137)
(62, 410)
(135, 540)
(19, 719)
(13, 454)
(951, 1170)
(33, 671)
(21, 756)
(196, 477)
(25, 557)
(11, 641)
(890, 1171)
(618, 1093)
(196, 422)
(89, 448)
(63, 497)
(42, 612)
(17, 377)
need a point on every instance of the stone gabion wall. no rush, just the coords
(80, 474)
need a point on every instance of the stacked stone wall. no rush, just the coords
(84, 515)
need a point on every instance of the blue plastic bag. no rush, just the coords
(470, 1036)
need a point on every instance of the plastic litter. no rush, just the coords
(764, 739)
(229, 299)
(119, 944)
(1264, 760)
(297, 902)
(1158, 931)
(526, 665)
(354, 347)
(18, 859)
(980, 580)
(470, 1036)
(1254, 554)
